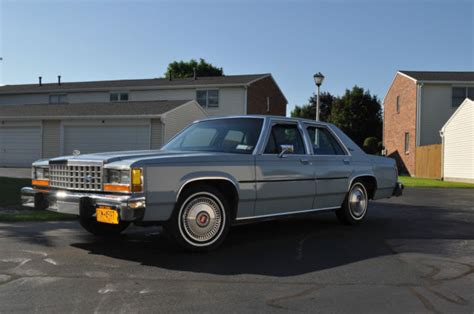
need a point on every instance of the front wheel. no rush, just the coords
(354, 208)
(200, 221)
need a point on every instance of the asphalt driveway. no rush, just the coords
(413, 254)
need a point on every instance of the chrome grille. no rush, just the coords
(77, 177)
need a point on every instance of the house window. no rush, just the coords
(119, 96)
(58, 99)
(208, 98)
(398, 104)
(407, 143)
(461, 93)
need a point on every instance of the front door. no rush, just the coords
(285, 180)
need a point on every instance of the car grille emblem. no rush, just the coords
(76, 152)
(88, 179)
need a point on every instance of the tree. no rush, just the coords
(308, 111)
(372, 145)
(184, 69)
(358, 114)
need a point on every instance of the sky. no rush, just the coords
(351, 42)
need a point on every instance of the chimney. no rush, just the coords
(194, 74)
(59, 79)
(39, 81)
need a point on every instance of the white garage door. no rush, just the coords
(106, 138)
(19, 146)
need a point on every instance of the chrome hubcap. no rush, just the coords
(358, 201)
(202, 219)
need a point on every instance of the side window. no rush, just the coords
(285, 134)
(323, 142)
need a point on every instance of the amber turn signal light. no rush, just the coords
(137, 180)
(40, 182)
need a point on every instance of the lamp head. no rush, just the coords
(318, 78)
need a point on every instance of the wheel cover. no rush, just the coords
(202, 219)
(358, 201)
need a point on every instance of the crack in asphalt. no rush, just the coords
(426, 303)
(274, 302)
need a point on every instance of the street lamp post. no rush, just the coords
(318, 80)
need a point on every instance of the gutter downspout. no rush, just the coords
(419, 101)
(245, 99)
(162, 120)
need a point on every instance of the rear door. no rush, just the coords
(332, 165)
(285, 183)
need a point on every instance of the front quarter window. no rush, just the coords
(235, 135)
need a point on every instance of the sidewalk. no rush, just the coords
(20, 173)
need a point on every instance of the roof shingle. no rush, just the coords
(441, 76)
(135, 108)
(155, 82)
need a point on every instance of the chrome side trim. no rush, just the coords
(287, 213)
(204, 179)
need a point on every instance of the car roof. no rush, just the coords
(290, 119)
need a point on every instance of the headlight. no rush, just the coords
(40, 176)
(40, 173)
(129, 180)
(114, 176)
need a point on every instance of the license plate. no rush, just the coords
(107, 215)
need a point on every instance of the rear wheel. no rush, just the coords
(200, 221)
(102, 229)
(354, 208)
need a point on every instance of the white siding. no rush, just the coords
(231, 99)
(74, 98)
(231, 102)
(156, 134)
(179, 118)
(51, 138)
(162, 94)
(24, 99)
(458, 159)
(435, 111)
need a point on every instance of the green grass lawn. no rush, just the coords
(432, 183)
(10, 204)
(33, 215)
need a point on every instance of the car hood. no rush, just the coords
(131, 156)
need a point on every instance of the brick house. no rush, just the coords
(46, 120)
(416, 106)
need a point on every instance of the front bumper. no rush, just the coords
(130, 208)
(398, 189)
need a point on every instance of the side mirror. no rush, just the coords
(286, 149)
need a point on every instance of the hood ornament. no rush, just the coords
(76, 152)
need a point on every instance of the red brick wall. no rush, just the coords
(396, 124)
(257, 94)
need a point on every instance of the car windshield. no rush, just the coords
(221, 135)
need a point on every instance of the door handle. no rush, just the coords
(346, 160)
(305, 161)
